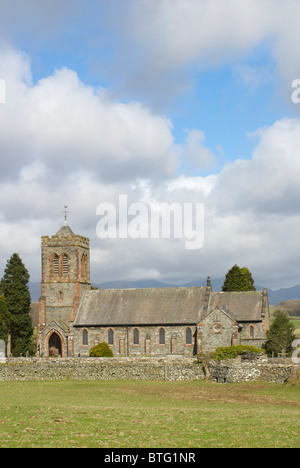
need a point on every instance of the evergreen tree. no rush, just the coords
(4, 318)
(16, 318)
(281, 334)
(238, 279)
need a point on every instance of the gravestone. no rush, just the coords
(2, 351)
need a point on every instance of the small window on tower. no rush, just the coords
(55, 265)
(83, 266)
(65, 265)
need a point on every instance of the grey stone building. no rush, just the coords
(73, 317)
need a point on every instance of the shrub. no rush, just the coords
(101, 350)
(230, 352)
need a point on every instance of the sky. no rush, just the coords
(162, 101)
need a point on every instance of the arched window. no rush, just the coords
(85, 338)
(55, 265)
(60, 296)
(188, 336)
(110, 337)
(84, 267)
(136, 337)
(65, 265)
(162, 336)
(251, 331)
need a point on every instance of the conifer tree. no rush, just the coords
(238, 279)
(281, 334)
(4, 317)
(16, 319)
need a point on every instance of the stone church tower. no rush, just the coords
(65, 277)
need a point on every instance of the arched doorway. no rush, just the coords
(55, 345)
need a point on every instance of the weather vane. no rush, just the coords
(65, 212)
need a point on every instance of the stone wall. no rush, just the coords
(169, 369)
(100, 369)
(235, 370)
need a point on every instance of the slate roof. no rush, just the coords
(65, 230)
(164, 306)
(156, 306)
(241, 306)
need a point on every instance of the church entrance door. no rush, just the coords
(54, 345)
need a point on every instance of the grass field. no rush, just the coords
(120, 414)
(296, 324)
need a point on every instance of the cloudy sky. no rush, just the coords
(164, 101)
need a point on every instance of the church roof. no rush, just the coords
(65, 230)
(141, 306)
(164, 306)
(244, 306)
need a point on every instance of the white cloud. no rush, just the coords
(185, 30)
(163, 40)
(67, 126)
(269, 182)
(64, 143)
(238, 229)
(194, 154)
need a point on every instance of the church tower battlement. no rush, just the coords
(65, 259)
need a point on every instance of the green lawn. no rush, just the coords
(296, 323)
(148, 414)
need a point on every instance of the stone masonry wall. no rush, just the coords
(234, 370)
(175, 341)
(99, 369)
(168, 369)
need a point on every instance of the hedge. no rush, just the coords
(101, 350)
(230, 352)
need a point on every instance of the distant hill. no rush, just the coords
(293, 304)
(149, 283)
(279, 295)
(124, 284)
(284, 294)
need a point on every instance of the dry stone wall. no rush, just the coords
(100, 369)
(236, 371)
(168, 369)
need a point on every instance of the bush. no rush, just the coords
(230, 352)
(101, 350)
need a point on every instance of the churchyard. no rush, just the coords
(140, 414)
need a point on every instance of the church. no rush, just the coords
(74, 317)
